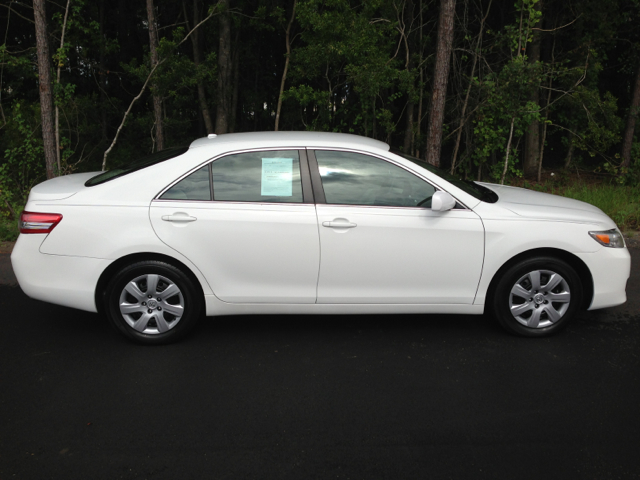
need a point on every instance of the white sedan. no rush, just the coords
(310, 223)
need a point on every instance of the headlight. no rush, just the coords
(609, 238)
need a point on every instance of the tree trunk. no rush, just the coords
(197, 60)
(506, 157)
(408, 132)
(44, 79)
(440, 78)
(157, 99)
(102, 79)
(569, 157)
(224, 70)
(235, 75)
(287, 41)
(476, 53)
(416, 152)
(57, 109)
(532, 139)
(629, 130)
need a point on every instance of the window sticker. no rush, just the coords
(277, 177)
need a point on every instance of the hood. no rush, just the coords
(532, 204)
(60, 187)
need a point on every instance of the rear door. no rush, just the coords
(248, 222)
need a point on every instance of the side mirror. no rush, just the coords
(442, 201)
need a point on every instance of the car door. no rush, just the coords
(248, 222)
(381, 242)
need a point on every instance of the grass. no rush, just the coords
(8, 230)
(621, 203)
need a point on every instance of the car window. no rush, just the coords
(194, 187)
(472, 188)
(357, 179)
(139, 164)
(269, 176)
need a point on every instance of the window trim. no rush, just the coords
(317, 180)
(305, 180)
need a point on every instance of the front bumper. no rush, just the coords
(610, 269)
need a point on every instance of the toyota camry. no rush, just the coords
(310, 223)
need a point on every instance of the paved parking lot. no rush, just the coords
(319, 397)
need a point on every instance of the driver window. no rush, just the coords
(357, 179)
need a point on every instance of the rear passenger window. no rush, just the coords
(272, 176)
(194, 187)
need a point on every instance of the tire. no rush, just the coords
(537, 297)
(137, 305)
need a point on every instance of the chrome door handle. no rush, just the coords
(339, 224)
(179, 218)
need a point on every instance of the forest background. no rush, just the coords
(539, 93)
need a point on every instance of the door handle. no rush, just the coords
(179, 218)
(339, 224)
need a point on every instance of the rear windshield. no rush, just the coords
(139, 164)
(472, 188)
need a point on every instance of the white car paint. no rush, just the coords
(268, 258)
(247, 252)
(399, 255)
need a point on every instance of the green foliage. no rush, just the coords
(506, 95)
(344, 55)
(622, 204)
(22, 164)
(592, 119)
(355, 67)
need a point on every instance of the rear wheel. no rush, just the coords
(537, 296)
(152, 302)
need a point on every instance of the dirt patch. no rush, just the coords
(632, 239)
(6, 247)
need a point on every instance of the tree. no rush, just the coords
(532, 139)
(197, 60)
(44, 81)
(355, 67)
(225, 70)
(634, 110)
(286, 63)
(157, 99)
(440, 78)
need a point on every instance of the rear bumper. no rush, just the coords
(62, 280)
(610, 269)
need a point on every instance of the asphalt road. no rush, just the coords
(319, 397)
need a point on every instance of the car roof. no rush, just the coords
(302, 139)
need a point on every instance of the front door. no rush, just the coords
(381, 243)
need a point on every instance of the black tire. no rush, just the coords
(147, 316)
(525, 306)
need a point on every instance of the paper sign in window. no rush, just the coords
(277, 177)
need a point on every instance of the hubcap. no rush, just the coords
(539, 299)
(151, 304)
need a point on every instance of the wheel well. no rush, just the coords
(111, 270)
(577, 264)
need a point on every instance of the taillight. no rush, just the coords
(38, 222)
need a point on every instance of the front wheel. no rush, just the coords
(152, 302)
(537, 296)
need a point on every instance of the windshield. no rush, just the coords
(472, 188)
(139, 164)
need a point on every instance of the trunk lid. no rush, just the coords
(60, 188)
